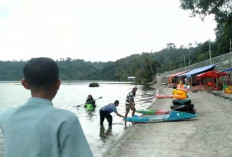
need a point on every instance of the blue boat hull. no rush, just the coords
(173, 116)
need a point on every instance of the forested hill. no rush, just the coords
(69, 70)
(145, 65)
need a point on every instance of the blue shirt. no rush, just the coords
(110, 108)
(37, 129)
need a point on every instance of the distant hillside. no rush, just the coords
(146, 65)
(143, 66)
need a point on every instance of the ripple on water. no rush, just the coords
(72, 94)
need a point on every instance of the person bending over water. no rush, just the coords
(106, 110)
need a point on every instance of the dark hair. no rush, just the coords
(41, 72)
(116, 102)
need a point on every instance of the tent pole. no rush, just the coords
(200, 83)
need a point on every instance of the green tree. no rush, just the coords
(222, 11)
(220, 8)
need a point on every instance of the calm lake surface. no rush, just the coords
(73, 93)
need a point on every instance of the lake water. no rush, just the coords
(73, 93)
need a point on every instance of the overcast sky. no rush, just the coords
(95, 30)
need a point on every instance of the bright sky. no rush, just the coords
(95, 30)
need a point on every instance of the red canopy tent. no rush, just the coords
(170, 78)
(211, 74)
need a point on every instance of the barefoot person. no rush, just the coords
(37, 128)
(106, 110)
(130, 104)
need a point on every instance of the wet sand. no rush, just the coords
(208, 135)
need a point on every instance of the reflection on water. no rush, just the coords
(104, 134)
(74, 93)
(90, 115)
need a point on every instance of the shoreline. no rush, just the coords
(207, 135)
(127, 130)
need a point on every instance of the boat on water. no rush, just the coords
(153, 112)
(89, 107)
(172, 116)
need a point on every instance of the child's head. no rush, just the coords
(41, 72)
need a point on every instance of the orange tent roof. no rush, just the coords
(171, 76)
(177, 73)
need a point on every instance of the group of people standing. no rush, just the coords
(106, 110)
(37, 128)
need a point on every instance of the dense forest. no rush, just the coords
(145, 65)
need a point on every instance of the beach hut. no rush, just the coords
(131, 78)
(173, 79)
(211, 80)
(190, 76)
(227, 80)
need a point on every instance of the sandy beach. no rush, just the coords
(208, 135)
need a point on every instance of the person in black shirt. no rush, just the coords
(90, 100)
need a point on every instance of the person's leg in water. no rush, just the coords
(102, 117)
(102, 132)
(109, 119)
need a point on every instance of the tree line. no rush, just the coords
(146, 65)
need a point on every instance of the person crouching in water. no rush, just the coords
(130, 104)
(106, 110)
